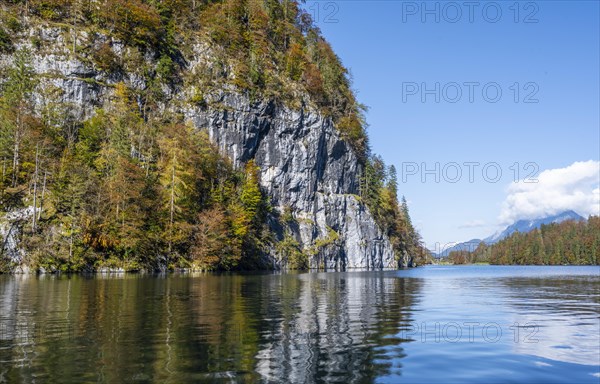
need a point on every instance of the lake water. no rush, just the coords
(449, 324)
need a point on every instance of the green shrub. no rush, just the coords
(105, 59)
(6, 45)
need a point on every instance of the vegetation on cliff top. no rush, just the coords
(269, 48)
(134, 187)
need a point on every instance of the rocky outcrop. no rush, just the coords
(306, 168)
(10, 232)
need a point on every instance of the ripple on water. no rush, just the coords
(335, 327)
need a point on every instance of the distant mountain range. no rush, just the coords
(521, 226)
(465, 246)
(529, 225)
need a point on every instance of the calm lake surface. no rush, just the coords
(449, 324)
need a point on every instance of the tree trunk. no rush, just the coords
(42, 197)
(35, 177)
(172, 204)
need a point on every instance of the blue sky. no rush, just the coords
(389, 48)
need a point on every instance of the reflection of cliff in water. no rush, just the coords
(301, 328)
(340, 327)
(559, 317)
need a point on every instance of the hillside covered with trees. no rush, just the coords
(134, 186)
(569, 242)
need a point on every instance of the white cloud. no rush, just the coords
(473, 224)
(575, 187)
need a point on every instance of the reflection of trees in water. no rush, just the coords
(83, 329)
(560, 317)
(301, 328)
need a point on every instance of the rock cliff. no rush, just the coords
(306, 168)
(309, 172)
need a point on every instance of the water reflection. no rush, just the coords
(336, 328)
(304, 328)
(562, 315)
(350, 327)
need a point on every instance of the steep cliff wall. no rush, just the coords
(310, 174)
(306, 168)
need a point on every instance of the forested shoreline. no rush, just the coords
(566, 243)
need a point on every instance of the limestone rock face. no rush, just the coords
(306, 168)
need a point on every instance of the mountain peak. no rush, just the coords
(570, 213)
(525, 225)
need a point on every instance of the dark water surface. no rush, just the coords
(448, 324)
